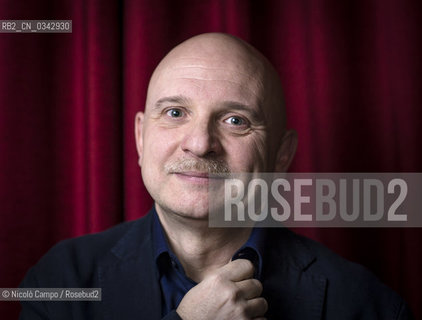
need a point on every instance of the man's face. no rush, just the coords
(202, 115)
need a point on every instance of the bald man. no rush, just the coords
(214, 105)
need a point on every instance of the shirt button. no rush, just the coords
(173, 263)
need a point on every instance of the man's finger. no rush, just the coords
(256, 308)
(250, 288)
(238, 270)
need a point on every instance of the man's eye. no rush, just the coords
(175, 113)
(236, 121)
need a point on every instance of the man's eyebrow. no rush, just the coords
(233, 105)
(179, 100)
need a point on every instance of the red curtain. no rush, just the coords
(352, 77)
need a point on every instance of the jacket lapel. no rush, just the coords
(292, 291)
(128, 278)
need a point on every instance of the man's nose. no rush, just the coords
(201, 140)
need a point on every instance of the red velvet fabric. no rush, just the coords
(352, 78)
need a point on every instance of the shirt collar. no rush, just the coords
(158, 237)
(252, 250)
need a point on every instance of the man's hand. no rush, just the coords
(229, 293)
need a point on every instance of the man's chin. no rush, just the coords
(196, 212)
(193, 216)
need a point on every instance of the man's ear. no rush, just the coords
(139, 122)
(286, 151)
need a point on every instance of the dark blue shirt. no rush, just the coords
(173, 281)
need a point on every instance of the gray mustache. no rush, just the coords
(202, 165)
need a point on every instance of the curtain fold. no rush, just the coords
(351, 72)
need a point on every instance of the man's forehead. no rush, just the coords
(206, 84)
(217, 63)
(193, 72)
(212, 70)
(206, 72)
(209, 55)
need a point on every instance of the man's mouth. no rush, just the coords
(193, 176)
(200, 178)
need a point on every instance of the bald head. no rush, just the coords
(214, 98)
(228, 54)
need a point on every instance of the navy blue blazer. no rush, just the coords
(301, 278)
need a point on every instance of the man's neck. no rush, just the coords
(200, 249)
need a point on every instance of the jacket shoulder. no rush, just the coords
(72, 262)
(351, 286)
